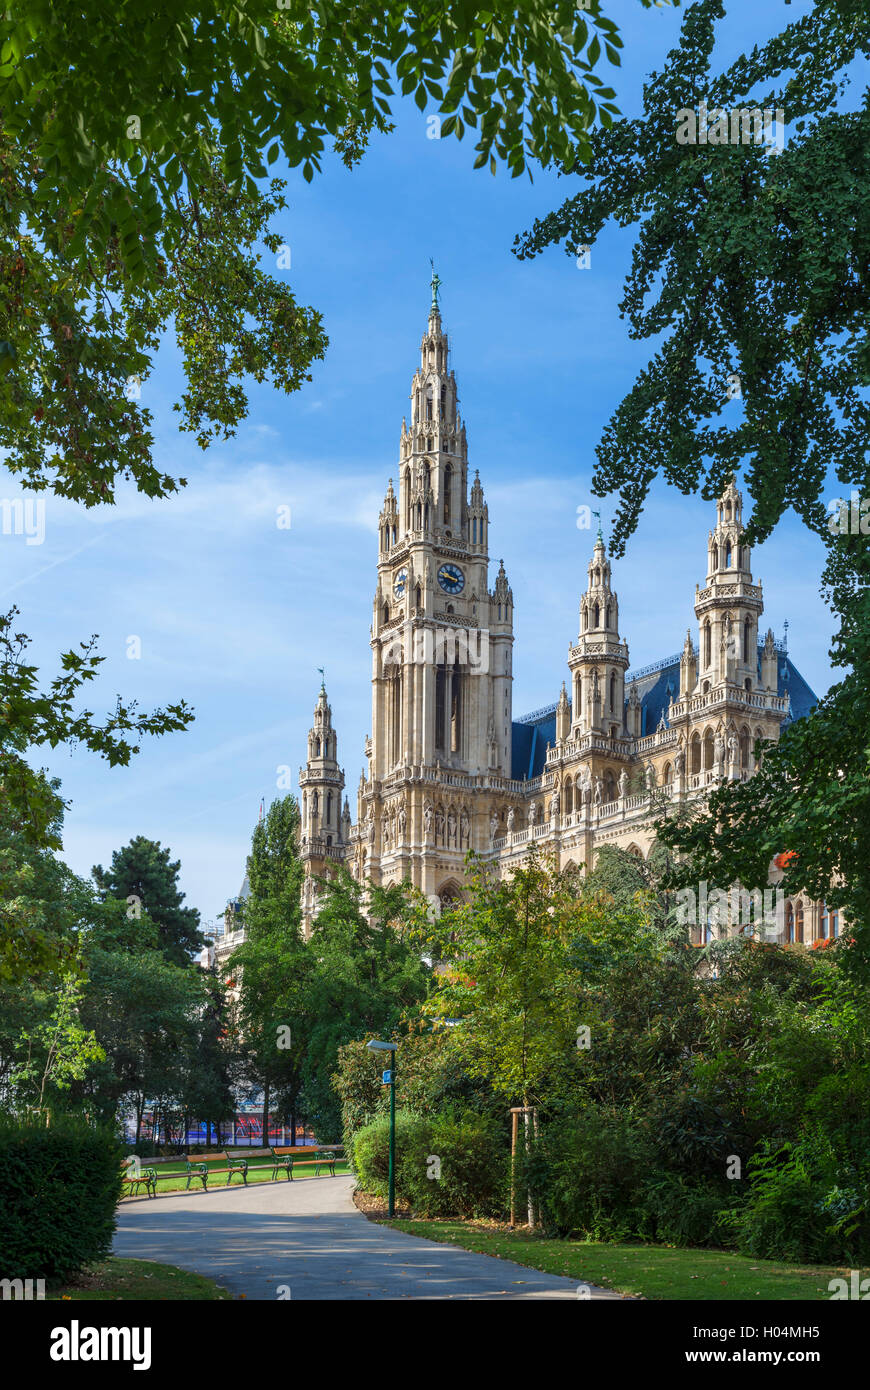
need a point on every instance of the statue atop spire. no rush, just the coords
(436, 285)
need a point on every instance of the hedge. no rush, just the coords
(59, 1189)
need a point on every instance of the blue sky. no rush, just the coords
(235, 615)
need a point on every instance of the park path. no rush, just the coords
(308, 1238)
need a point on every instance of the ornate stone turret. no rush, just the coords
(729, 606)
(599, 660)
(563, 715)
(323, 839)
(688, 667)
(769, 660)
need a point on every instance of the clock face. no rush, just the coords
(451, 579)
(400, 583)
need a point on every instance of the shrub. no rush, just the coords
(473, 1167)
(586, 1173)
(803, 1205)
(468, 1150)
(371, 1152)
(59, 1188)
(675, 1210)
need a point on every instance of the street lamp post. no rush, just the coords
(377, 1046)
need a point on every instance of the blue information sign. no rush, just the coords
(387, 1078)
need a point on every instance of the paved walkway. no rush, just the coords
(308, 1237)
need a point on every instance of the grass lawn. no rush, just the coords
(261, 1173)
(137, 1280)
(650, 1271)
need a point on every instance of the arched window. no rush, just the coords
(569, 796)
(315, 804)
(429, 403)
(708, 647)
(728, 555)
(474, 530)
(596, 614)
(789, 922)
(613, 692)
(418, 597)
(745, 749)
(823, 922)
(609, 786)
(715, 557)
(708, 750)
(799, 921)
(386, 613)
(443, 401)
(695, 763)
(668, 775)
(585, 618)
(329, 808)
(607, 616)
(448, 483)
(317, 748)
(407, 499)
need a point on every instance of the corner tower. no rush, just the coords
(729, 606)
(324, 830)
(599, 659)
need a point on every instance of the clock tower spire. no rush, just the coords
(441, 640)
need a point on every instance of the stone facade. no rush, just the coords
(449, 769)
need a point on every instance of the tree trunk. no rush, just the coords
(292, 1128)
(266, 1114)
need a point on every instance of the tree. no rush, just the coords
(507, 985)
(750, 267)
(272, 961)
(367, 974)
(56, 1052)
(134, 199)
(141, 874)
(216, 1061)
(31, 807)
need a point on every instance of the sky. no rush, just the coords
(235, 615)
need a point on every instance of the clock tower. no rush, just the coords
(441, 647)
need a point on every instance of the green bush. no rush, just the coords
(447, 1166)
(59, 1188)
(586, 1173)
(803, 1205)
(675, 1210)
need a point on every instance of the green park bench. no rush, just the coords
(146, 1178)
(288, 1159)
(202, 1168)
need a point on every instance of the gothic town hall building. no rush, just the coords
(451, 768)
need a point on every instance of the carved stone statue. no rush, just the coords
(555, 803)
(439, 825)
(427, 819)
(679, 761)
(623, 783)
(719, 751)
(533, 813)
(464, 826)
(599, 791)
(371, 829)
(650, 777)
(402, 821)
(493, 827)
(451, 826)
(510, 820)
(385, 830)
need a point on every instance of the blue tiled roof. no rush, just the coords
(655, 686)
